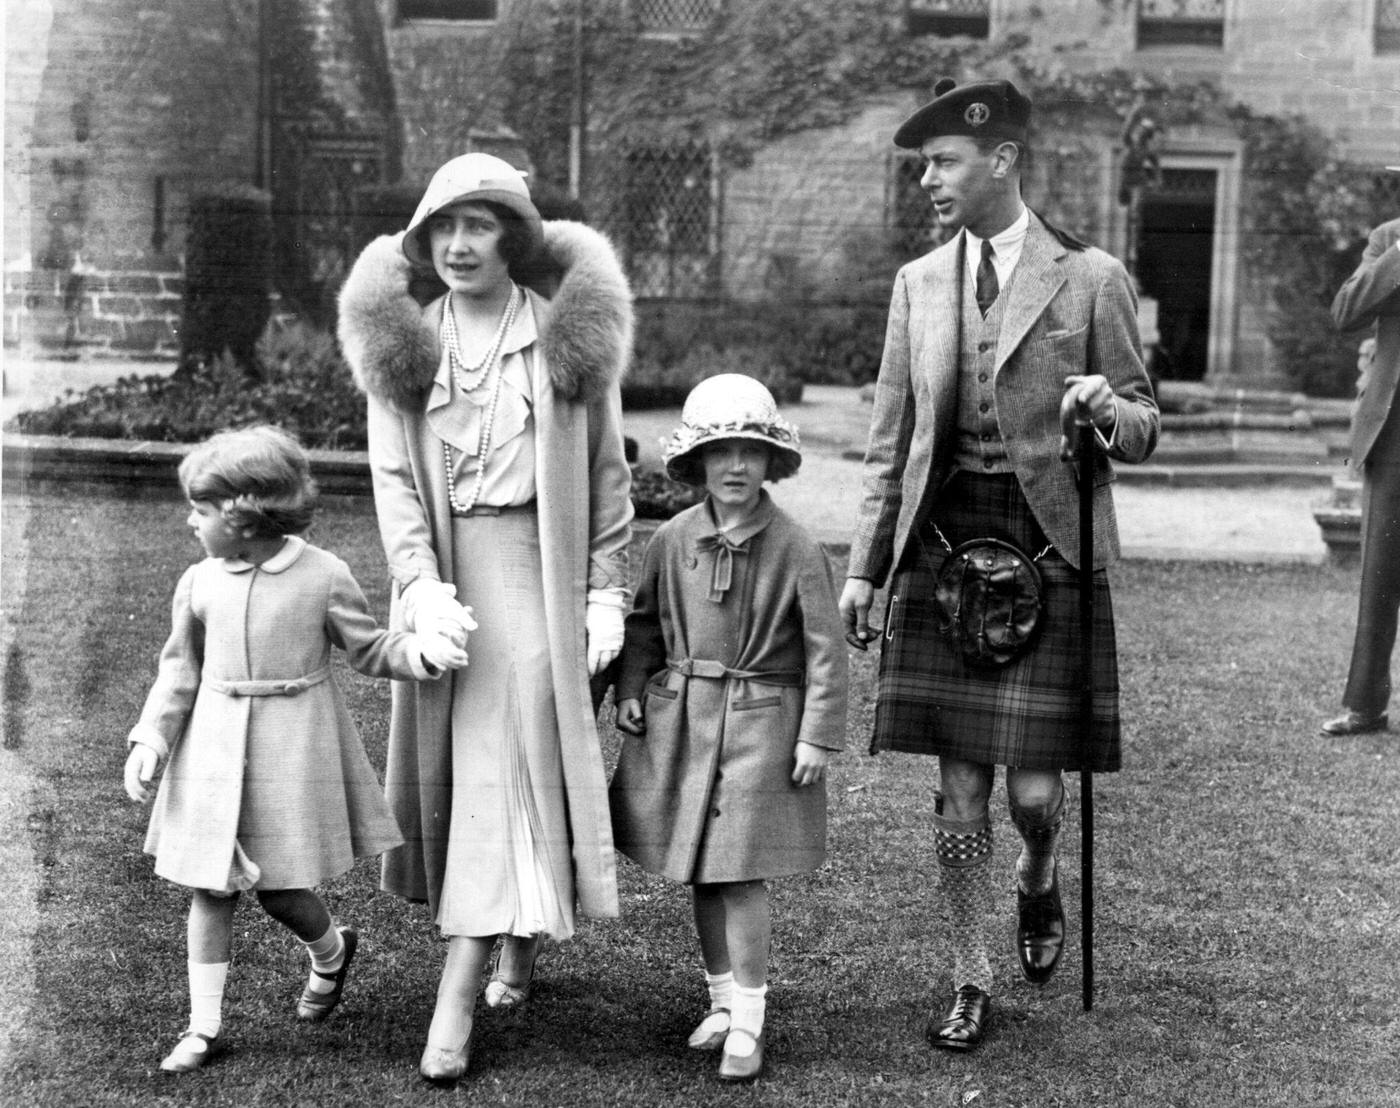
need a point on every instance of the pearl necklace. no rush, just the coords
(488, 418)
(469, 379)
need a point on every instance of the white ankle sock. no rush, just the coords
(721, 986)
(207, 981)
(327, 955)
(747, 1009)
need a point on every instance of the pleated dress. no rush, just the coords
(508, 855)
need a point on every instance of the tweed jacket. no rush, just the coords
(582, 480)
(1069, 312)
(706, 794)
(263, 757)
(1371, 296)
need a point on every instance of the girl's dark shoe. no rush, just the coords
(316, 1006)
(962, 1028)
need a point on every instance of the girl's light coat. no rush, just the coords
(391, 342)
(262, 751)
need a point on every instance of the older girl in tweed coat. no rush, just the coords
(265, 786)
(733, 694)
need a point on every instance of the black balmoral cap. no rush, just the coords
(983, 109)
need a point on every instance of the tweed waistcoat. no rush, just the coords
(980, 448)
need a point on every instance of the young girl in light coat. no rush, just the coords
(732, 692)
(265, 785)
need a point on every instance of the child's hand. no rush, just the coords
(440, 652)
(630, 718)
(141, 766)
(811, 764)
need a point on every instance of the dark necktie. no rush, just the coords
(987, 287)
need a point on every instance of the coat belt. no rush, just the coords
(268, 688)
(700, 667)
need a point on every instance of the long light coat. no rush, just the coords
(707, 794)
(1070, 311)
(262, 751)
(583, 508)
(1371, 296)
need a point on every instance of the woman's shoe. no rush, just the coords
(500, 993)
(734, 1064)
(317, 1006)
(193, 1051)
(443, 1066)
(1355, 723)
(711, 1032)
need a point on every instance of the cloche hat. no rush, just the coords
(472, 177)
(730, 406)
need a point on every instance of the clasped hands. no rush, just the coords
(432, 611)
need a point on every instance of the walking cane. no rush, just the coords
(1078, 447)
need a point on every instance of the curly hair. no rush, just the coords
(259, 477)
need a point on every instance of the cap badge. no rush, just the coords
(977, 114)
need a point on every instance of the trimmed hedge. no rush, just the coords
(228, 275)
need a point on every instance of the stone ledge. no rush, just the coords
(1339, 518)
(1222, 475)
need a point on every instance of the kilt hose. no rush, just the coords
(1025, 714)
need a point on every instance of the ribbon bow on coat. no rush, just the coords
(722, 575)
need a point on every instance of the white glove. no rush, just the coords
(602, 619)
(430, 607)
(440, 653)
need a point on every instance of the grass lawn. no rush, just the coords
(1248, 914)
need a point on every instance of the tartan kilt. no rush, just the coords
(1025, 714)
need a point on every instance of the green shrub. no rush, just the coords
(228, 274)
(656, 496)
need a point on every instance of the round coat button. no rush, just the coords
(291, 688)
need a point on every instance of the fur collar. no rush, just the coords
(585, 318)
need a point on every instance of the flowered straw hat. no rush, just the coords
(730, 406)
(471, 177)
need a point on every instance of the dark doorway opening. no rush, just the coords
(1175, 242)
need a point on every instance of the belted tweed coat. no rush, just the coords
(1070, 311)
(706, 794)
(583, 507)
(261, 749)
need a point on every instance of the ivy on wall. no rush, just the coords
(783, 67)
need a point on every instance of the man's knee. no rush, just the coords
(1034, 797)
(965, 789)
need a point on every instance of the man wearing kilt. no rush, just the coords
(987, 335)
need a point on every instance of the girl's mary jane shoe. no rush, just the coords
(314, 1006)
(735, 1064)
(192, 1052)
(711, 1031)
(442, 1066)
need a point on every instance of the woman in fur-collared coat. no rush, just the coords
(495, 443)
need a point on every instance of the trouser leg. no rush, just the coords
(1368, 681)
